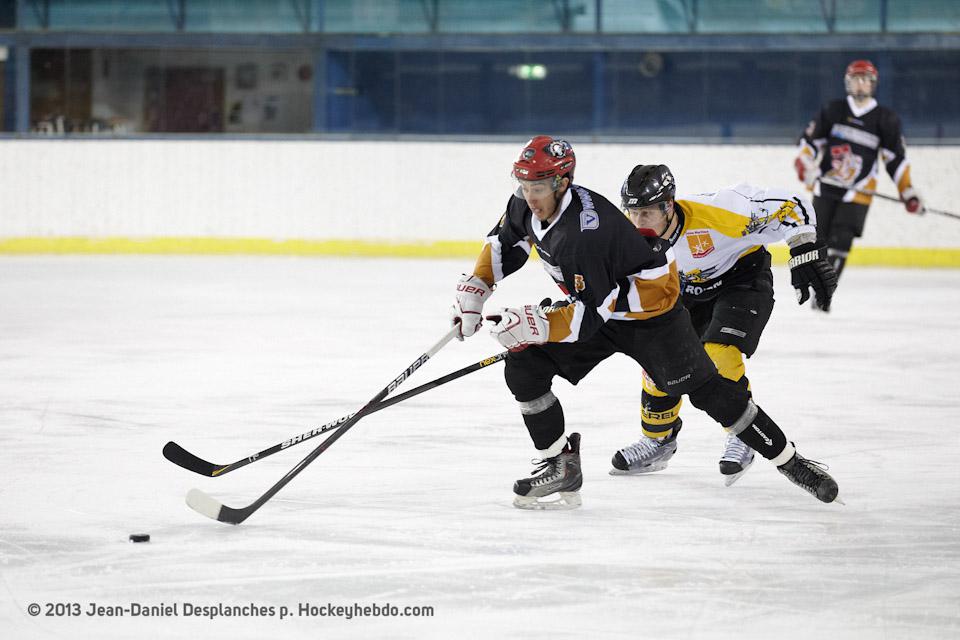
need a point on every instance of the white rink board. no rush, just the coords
(104, 359)
(352, 190)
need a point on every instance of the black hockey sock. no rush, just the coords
(545, 427)
(764, 436)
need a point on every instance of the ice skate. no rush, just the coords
(737, 458)
(646, 455)
(558, 479)
(812, 477)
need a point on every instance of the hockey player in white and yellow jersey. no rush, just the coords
(726, 283)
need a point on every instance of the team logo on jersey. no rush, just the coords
(578, 283)
(846, 165)
(694, 275)
(701, 244)
(589, 220)
(787, 211)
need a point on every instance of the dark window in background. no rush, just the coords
(700, 95)
(8, 14)
(184, 100)
(60, 90)
(132, 91)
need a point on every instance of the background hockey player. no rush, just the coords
(725, 282)
(839, 155)
(622, 291)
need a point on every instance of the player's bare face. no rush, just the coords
(860, 85)
(541, 196)
(653, 218)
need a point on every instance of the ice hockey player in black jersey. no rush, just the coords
(719, 240)
(839, 156)
(622, 291)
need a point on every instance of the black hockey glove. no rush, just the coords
(809, 268)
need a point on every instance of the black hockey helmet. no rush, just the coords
(647, 184)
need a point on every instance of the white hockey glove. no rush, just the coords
(466, 312)
(807, 169)
(516, 329)
(911, 200)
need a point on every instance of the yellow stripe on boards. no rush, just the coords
(239, 246)
(933, 257)
(870, 256)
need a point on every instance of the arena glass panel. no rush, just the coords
(249, 16)
(645, 16)
(372, 16)
(863, 16)
(508, 16)
(929, 15)
(98, 15)
(749, 16)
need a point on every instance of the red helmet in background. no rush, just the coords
(860, 68)
(545, 157)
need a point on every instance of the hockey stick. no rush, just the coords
(183, 458)
(884, 196)
(212, 508)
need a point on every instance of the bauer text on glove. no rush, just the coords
(520, 327)
(467, 310)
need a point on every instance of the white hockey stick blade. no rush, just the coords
(204, 504)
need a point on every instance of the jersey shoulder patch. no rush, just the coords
(589, 220)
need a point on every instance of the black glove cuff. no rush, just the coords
(806, 247)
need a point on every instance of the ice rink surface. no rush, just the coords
(105, 359)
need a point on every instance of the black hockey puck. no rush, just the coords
(139, 537)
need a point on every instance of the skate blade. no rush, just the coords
(565, 500)
(657, 466)
(729, 480)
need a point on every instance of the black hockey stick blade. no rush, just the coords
(214, 509)
(183, 458)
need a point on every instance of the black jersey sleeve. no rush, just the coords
(893, 149)
(507, 246)
(815, 135)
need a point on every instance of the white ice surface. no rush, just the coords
(104, 359)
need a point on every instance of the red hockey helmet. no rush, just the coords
(860, 68)
(544, 157)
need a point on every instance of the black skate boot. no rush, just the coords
(811, 476)
(558, 477)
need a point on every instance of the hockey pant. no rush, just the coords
(669, 351)
(838, 224)
(729, 325)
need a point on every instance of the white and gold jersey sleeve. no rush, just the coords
(722, 227)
